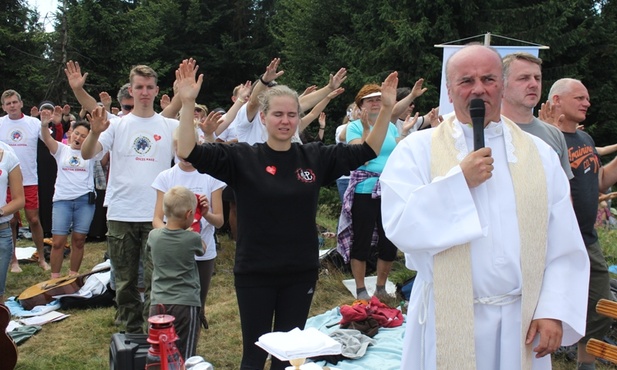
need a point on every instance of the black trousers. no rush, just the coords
(287, 304)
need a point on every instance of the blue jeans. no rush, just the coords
(77, 212)
(6, 253)
(342, 184)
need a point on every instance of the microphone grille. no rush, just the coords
(476, 108)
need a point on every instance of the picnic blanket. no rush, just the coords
(384, 354)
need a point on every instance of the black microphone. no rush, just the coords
(476, 111)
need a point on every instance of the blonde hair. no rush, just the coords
(144, 71)
(9, 93)
(276, 91)
(508, 59)
(177, 201)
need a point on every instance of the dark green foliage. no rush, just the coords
(330, 204)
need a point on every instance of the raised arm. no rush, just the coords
(309, 101)
(105, 99)
(402, 104)
(77, 81)
(49, 141)
(604, 150)
(388, 98)
(270, 75)
(98, 123)
(410, 121)
(316, 111)
(188, 89)
(607, 175)
(209, 125)
(172, 109)
(243, 95)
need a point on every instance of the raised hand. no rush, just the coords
(210, 123)
(337, 79)
(187, 86)
(165, 101)
(434, 118)
(66, 109)
(336, 92)
(409, 123)
(105, 98)
(34, 111)
(98, 120)
(417, 89)
(365, 120)
(74, 76)
(322, 120)
(46, 116)
(309, 90)
(57, 114)
(388, 90)
(271, 73)
(244, 91)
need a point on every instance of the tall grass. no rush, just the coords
(82, 340)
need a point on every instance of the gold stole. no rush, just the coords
(452, 281)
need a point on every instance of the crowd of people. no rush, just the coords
(515, 219)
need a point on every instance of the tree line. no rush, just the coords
(233, 40)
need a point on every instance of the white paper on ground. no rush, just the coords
(307, 366)
(44, 319)
(24, 253)
(299, 344)
(369, 283)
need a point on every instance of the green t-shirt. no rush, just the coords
(175, 279)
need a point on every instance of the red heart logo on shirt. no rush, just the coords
(271, 170)
(157, 137)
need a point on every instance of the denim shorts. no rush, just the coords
(77, 212)
(6, 253)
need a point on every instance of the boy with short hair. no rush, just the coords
(175, 280)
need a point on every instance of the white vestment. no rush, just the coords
(424, 216)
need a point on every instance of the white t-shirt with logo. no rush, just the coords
(22, 136)
(199, 184)
(75, 174)
(140, 148)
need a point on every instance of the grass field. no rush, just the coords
(81, 342)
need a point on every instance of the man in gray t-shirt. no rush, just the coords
(522, 90)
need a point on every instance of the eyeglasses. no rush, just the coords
(127, 107)
(198, 110)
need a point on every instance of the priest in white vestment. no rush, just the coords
(502, 270)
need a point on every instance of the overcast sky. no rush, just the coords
(44, 7)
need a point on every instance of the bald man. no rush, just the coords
(569, 99)
(501, 269)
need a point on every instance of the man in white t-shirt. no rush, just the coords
(21, 133)
(140, 146)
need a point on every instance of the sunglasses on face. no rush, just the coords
(127, 107)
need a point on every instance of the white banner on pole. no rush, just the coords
(445, 106)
